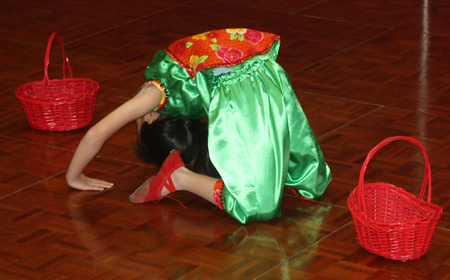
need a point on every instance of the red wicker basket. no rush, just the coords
(58, 105)
(389, 221)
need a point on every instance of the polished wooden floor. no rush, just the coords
(363, 70)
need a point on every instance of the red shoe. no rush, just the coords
(151, 189)
(298, 195)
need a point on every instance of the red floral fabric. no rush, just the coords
(218, 187)
(219, 48)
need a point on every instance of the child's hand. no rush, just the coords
(85, 183)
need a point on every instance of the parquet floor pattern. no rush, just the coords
(363, 70)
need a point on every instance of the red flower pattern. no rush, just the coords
(200, 67)
(179, 47)
(212, 35)
(229, 55)
(251, 52)
(253, 36)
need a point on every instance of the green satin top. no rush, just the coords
(259, 138)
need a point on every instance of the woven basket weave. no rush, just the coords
(59, 104)
(389, 221)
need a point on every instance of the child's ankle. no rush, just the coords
(178, 177)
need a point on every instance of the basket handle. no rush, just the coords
(47, 59)
(426, 175)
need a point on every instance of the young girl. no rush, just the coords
(258, 138)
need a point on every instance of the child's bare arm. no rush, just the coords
(140, 105)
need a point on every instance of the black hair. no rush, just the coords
(190, 137)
